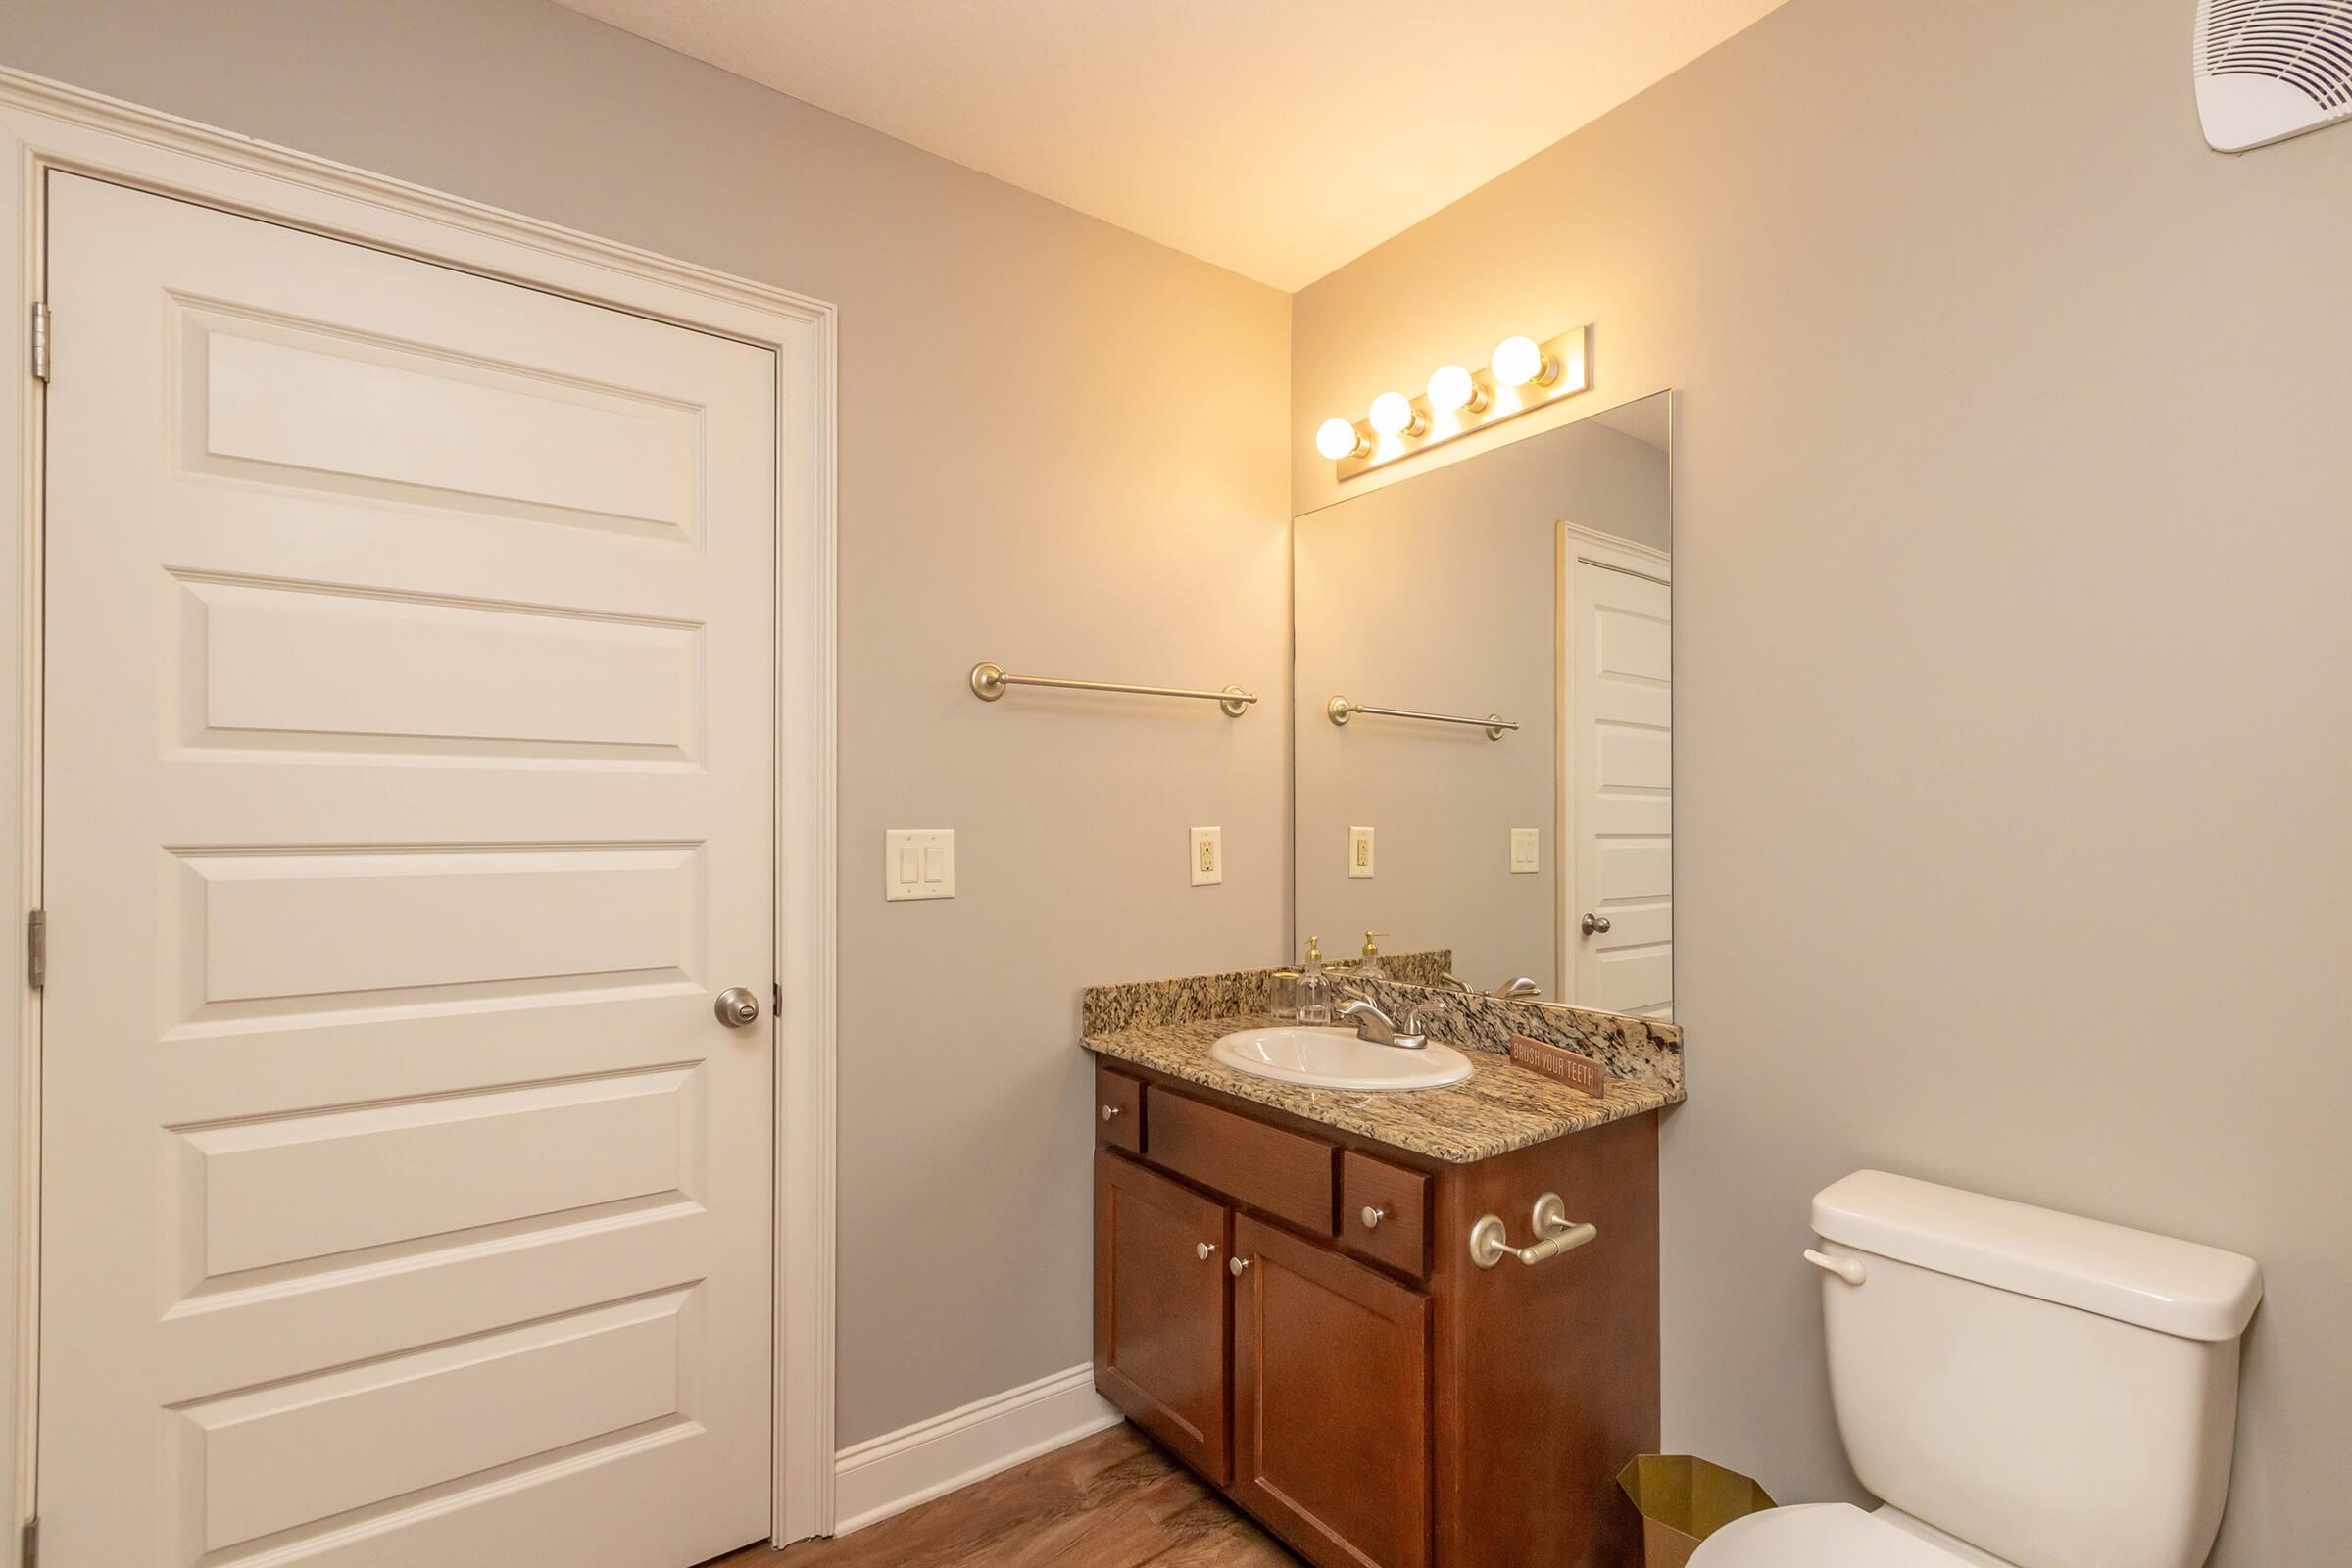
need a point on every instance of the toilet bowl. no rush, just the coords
(2024, 1389)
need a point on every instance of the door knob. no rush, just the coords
(737, 1008)
(1235, 1266)
(1595, 923)
(1373, 1216)
(1205, 1251)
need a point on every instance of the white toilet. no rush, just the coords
(2024, 1389)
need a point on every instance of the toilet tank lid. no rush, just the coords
(2174, 1287)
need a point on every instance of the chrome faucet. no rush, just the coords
(1376, 1026)
(1508, 991)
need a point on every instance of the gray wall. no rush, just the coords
(1047, 425)
(1441, 595)
(2012, 661)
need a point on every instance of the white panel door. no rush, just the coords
(1620, 737)
(408, 797)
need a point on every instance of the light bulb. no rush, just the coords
(1337, 439)
(1518, 362)
(1452, 389)
(1393, 413)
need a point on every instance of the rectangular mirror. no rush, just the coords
(1483, 747)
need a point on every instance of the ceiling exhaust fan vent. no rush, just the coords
(2268, 70)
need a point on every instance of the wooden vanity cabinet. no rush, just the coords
(1360, 1386)
(1162, 1312)
(1330, 1402)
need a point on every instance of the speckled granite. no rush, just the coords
(1135, 1004)
(1628, 1048)
(1498, 1109)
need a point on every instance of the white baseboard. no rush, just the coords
(893, 1473)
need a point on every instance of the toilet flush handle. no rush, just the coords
(1848, 1269)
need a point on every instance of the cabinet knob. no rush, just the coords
(1205, 1251)
(1110, 1112)
(1236, 1265)
(1373, 1216)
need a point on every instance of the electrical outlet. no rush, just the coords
(918, 862)
(1524, 852)
(1209, 856)
(1360, 852)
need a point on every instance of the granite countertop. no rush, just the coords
(1499, 1107)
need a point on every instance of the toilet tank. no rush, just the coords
(2056, 1392)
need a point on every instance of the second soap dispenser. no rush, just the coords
(1314, 986)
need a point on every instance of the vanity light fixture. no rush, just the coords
(1337, 439)
(1394, 414)
(1521, 374)
(1454, 390)
(1520, 361)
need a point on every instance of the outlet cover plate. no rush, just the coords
(1208, 856)
(1524, 850)
(1360, 852)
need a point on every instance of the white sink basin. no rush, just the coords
(1334, 1058)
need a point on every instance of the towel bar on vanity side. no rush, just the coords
(1489, 1245)
(989, 682)
(1341, 711)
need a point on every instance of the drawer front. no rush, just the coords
(1266, 1168)
(1384, 1214)
(1119, 1110)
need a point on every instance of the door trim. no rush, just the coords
(47, 125)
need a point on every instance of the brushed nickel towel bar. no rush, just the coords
(989, 683)
(1342, 711)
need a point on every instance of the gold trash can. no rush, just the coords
(1683, 1500)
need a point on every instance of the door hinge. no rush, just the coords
(41, 342)
(29, 1545)
(37, 949)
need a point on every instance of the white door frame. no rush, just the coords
(1577, 546)
(48, 125)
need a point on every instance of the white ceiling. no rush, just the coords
(1280, 139)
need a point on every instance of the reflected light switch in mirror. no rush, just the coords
(1523, 850)
(1359, 851)
(918, 862)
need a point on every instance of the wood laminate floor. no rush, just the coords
(1112, 1501)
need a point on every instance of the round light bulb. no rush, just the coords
(1452, 389)
(1337, 439)
(1393, 413)
(1518, 361)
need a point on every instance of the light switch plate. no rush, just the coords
(1524, 850)
(918, 862)
(1208, 856)
(1360, 852)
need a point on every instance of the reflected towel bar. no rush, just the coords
(989, 683)
(1342, 711)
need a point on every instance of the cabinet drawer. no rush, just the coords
(1119, 1110)
(1266, 1168)
(1396, 1233)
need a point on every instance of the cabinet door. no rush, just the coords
(1330, 1403)
(1163, 1315)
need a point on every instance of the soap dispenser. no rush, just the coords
(1368, 966)
(1314, 986)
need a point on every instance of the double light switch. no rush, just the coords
(918, 862)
